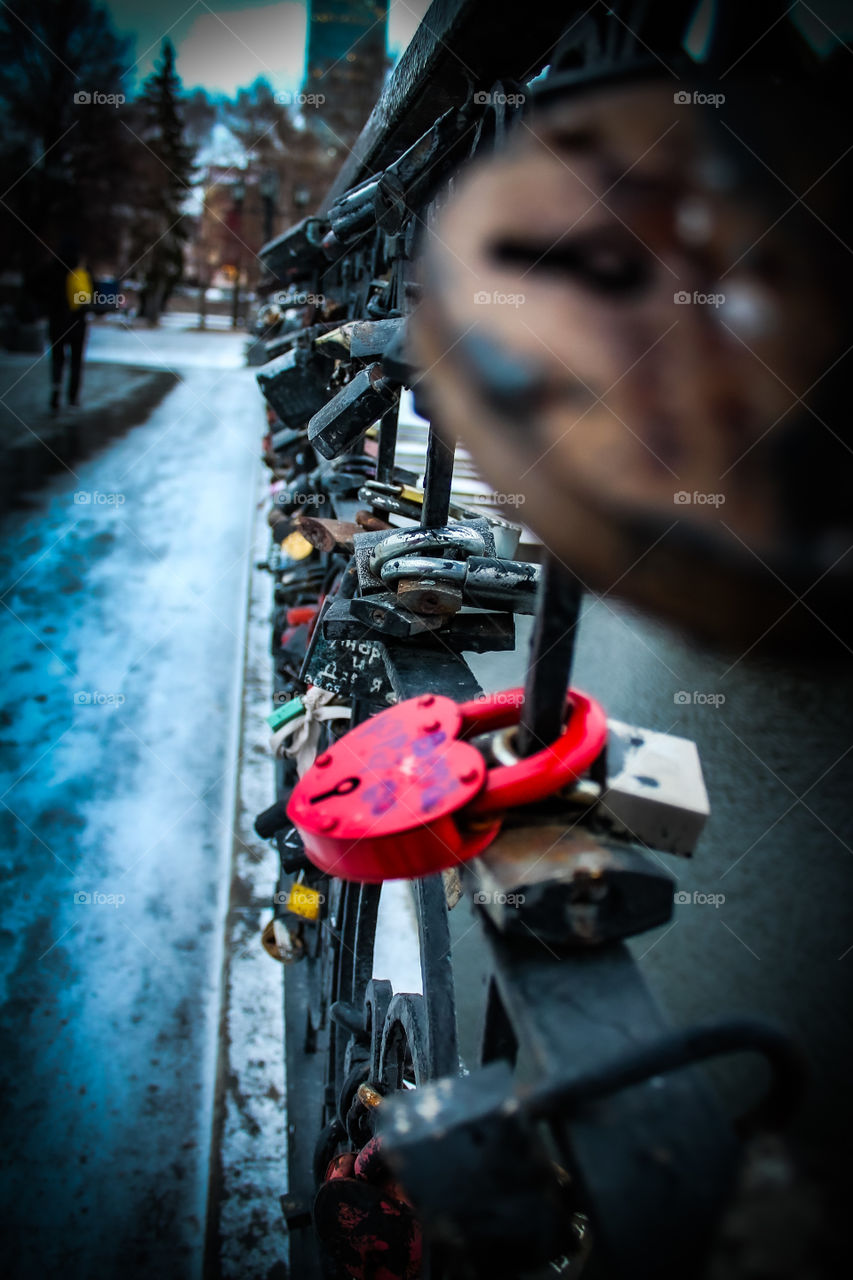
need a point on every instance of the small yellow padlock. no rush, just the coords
(304, 901)
(296, 547)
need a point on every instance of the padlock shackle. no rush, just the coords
(490, 712)
(547, 771)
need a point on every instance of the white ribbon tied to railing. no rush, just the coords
(301, 737)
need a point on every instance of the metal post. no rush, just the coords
(387, 444)
(268, 187)
(237, 229)
(549, 663)
(235, 299)
(437, 480)
(269, 219)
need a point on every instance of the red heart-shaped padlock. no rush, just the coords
(404, 795)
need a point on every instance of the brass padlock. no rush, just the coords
(282, 942)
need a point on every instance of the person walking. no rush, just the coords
(69, 292)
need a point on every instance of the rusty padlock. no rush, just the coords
(364, 1219)
(405, 794)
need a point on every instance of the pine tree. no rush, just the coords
(64, 162)
(165, 172)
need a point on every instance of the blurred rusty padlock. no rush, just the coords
(364, 1219)
(647, 339)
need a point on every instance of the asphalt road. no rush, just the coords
(768, 929)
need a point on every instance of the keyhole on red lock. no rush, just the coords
(342, 788)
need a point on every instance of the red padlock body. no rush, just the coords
(403, 795)
(380, 804)
(300, 614)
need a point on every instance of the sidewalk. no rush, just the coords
(36, 443)
(123, 636)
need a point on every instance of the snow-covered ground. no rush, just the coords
(122, 631)
(144, 1019)
(174, 345)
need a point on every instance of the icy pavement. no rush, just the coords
(165, 348)
(122, 633)
(144, 1071)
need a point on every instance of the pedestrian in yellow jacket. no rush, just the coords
(69, 291)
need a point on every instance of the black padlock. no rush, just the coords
(345, 418)
(295, 384)
(272, 819)
(291, 851)
(477, 1172)
(296, 253)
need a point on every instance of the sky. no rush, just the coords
(225, 44)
